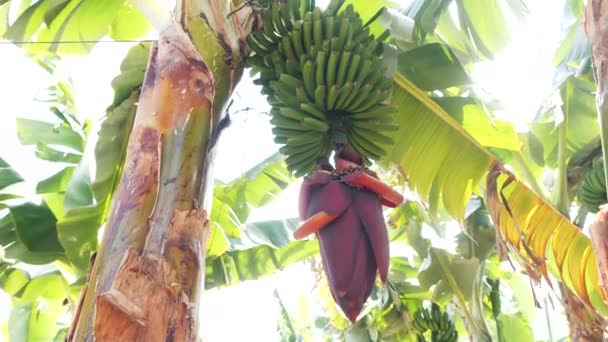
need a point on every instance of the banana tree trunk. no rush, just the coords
(596, 14)
(145, 283)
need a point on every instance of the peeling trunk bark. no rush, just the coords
(599, 237)
(146, 281)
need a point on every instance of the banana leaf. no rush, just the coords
(445, 162)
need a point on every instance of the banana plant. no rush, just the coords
(153, 190)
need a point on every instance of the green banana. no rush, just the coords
(285, 123)
(371, 100)
(291, 81)
(343, 31)
(296, 38)
(332, 64)
(285, 133)
(307, 31)
(329, 27)
(303, 139)
(276, 19)
(312, 110)
(360, 148)
(374, 112)
(309, 78)
(291, 113)
(292, 67)
(332, 96)
(317, 28)
(374, 136)
(287, 48)
(353, 67)
(343, 67)
(301, 95)
(369, 145)
(320, 68)
(315, 124)
(286, 16)
(346, 90)
(320, 97)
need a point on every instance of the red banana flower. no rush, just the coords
(343, 207)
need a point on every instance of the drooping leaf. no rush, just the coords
(543, 240)
(8, 175)
(446, 162)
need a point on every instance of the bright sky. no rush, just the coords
(521, 77)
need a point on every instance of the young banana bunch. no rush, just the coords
(324, 77)
(323, 74)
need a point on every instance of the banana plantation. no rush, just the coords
(351, 149)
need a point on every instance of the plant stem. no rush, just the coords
(602, 112)
(548, 319)
(560, 188)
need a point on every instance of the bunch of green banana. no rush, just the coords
(592, 192)
(437, 322)
(323, 74)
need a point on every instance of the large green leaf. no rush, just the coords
(473, 117)
(33, 322)
(260, 185)
(431, 147)
(515, 328)
(254, 263)
(57, 182)
(28, 234)
(66, 27)
(274, 233)
(77, 232)
(486, 25)
(431, 67)
(33, 132)
(129, 24)
(28, 23)
(8, 175)
(114, 134)
(36, 227)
